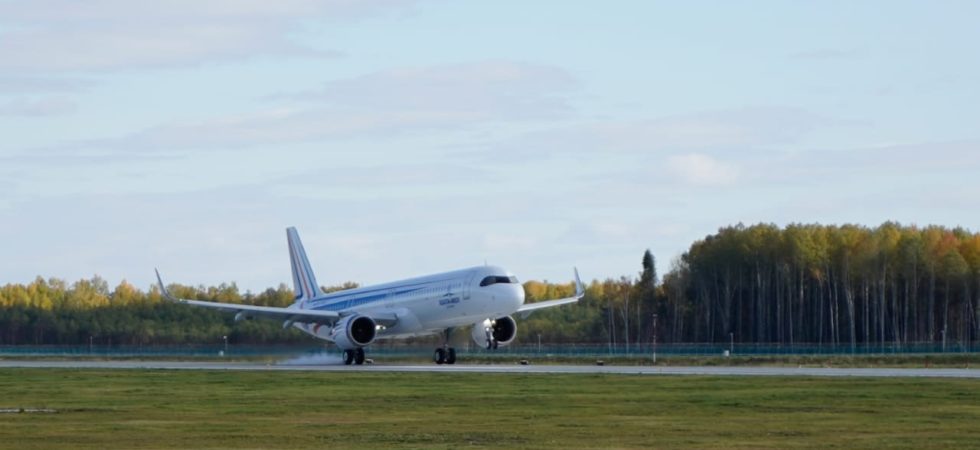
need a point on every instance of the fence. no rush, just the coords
(529, 350)
(718, 349)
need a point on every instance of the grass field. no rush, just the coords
(190, 409)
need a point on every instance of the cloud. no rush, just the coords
(479, 89)
(26, 85)
(378, 104)
(46, 106)
(702, 170)
(63, 35)
(733, 128)
(743, 130)
(433, 174)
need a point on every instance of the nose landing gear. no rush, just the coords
(492, 343)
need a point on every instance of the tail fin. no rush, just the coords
(304, 283)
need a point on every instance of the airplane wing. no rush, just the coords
(288, 315)
(527, 308)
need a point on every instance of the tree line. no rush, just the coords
(52, 312)
(842, 285)
(804, 283)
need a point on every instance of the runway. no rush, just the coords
(516, 369)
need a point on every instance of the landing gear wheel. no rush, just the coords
(359, 356)
(348, 357)
(445, 354)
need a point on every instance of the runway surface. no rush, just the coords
(522, 369)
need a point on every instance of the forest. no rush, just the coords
(846, 285)
(827, 284)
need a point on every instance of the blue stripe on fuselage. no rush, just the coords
(341, 300)
(358, 300)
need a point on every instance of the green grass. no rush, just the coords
(222, 409)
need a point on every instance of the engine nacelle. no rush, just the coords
(354, 331)
(499, 332)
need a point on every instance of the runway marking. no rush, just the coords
(522, 369)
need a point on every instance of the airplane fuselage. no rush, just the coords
(425, 305)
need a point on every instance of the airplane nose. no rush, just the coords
(519, 294)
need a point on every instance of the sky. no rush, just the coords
(406, 137)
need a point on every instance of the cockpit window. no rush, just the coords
(494, 279)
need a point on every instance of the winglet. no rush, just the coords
(579, 287)
(528, 308)
(163, 289)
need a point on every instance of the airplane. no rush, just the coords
(485, 297)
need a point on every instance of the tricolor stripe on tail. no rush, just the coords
(304, 283)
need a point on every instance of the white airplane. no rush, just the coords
(485, 297)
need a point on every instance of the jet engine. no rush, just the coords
(354, 331)
(493, 333)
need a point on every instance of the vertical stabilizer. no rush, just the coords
(304, 283)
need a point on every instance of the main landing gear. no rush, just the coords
(445, 354)
(354, 356)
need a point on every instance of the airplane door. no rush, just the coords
(466, 286)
